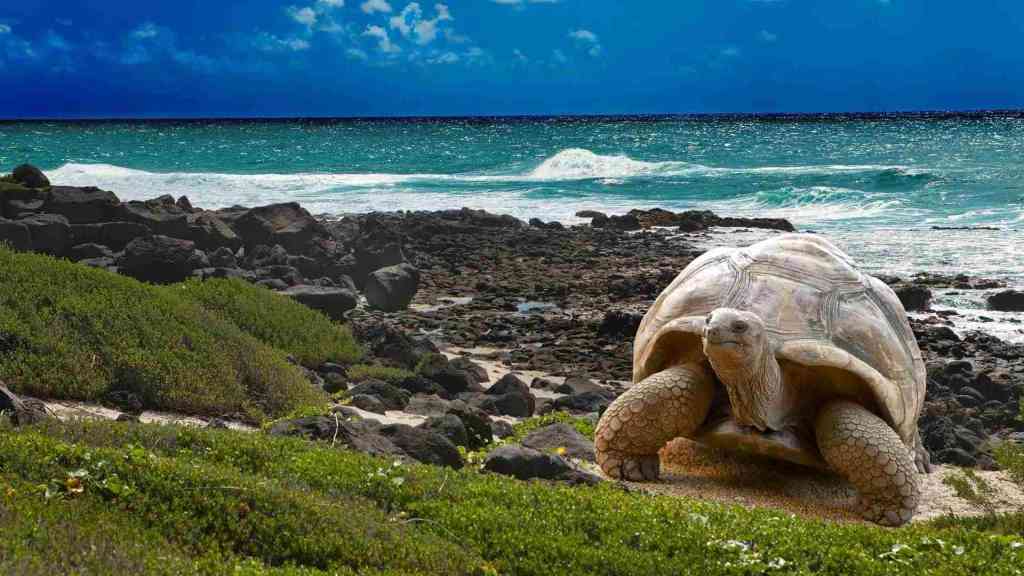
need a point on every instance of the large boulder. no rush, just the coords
(392, 288)
(510, 396)
(333, 302)
(82, 205)
(391, 397)
(161, 259)
(30, 176)
(51, 233)
(289, 225)
(526, 463)
(914, 297)
(377, 246)
(449, 426)
(584, 403)
(437, 368)
(161, 215)
(16, 200)
(1007, 301)
(424, 445)
(385, 341)
(562, 438)
(114, 235)
(210, 233)
(361, 436)
(15, 235)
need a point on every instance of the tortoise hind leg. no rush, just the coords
(869, 453)
(662, 407)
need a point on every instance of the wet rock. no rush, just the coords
(30, 176)
(590, 214)
(392, 288)
(423, 445)
(563, 438)
(1007, 301)
(333, 302)
(914, 297)
(161, 259)
(624, 222)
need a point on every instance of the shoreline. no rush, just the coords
(559, 300)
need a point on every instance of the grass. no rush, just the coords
(973, 488)
(389, 374)
(72, 332)
(276, 320)
(280, 502)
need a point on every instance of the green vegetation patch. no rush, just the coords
(480, 522)
(276, 320)
(389, 374)
(73, 332)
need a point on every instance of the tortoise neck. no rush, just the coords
(754, 387)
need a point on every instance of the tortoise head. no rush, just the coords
(736, 344)
(732, 335)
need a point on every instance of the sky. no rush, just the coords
(203, 58)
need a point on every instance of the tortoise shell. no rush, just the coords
(819, 310)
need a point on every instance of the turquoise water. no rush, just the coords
(876, 185)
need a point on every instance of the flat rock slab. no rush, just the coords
(693, 471)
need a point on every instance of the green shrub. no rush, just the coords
(388, 374)
(74, 332)
(205, 508)
(1011, 458)
(534, 528)
(276, 320)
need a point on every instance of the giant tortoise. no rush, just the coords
(784, 349)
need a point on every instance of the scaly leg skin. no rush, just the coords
(662, 407)
(922, 458)
(869, 453)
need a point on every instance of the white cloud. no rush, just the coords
(583, 35)
(559, 56)
(410, 22)
(384, 43)
(147, 30)
(371, 6)
(332, 3)
(356, 54)
(306, 16)
(519, 55)
(769, 36)
(588, 40)
(271, 43)
(446, 58)
(5, 29)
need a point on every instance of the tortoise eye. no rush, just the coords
(739, 327)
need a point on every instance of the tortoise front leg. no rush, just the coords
(869, 453)
(662, 407)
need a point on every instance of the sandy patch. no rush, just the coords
(697, 472)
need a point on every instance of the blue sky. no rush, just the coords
(92, 58)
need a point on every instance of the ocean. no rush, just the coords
(880, 185)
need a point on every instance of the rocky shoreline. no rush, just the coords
(535, 297)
